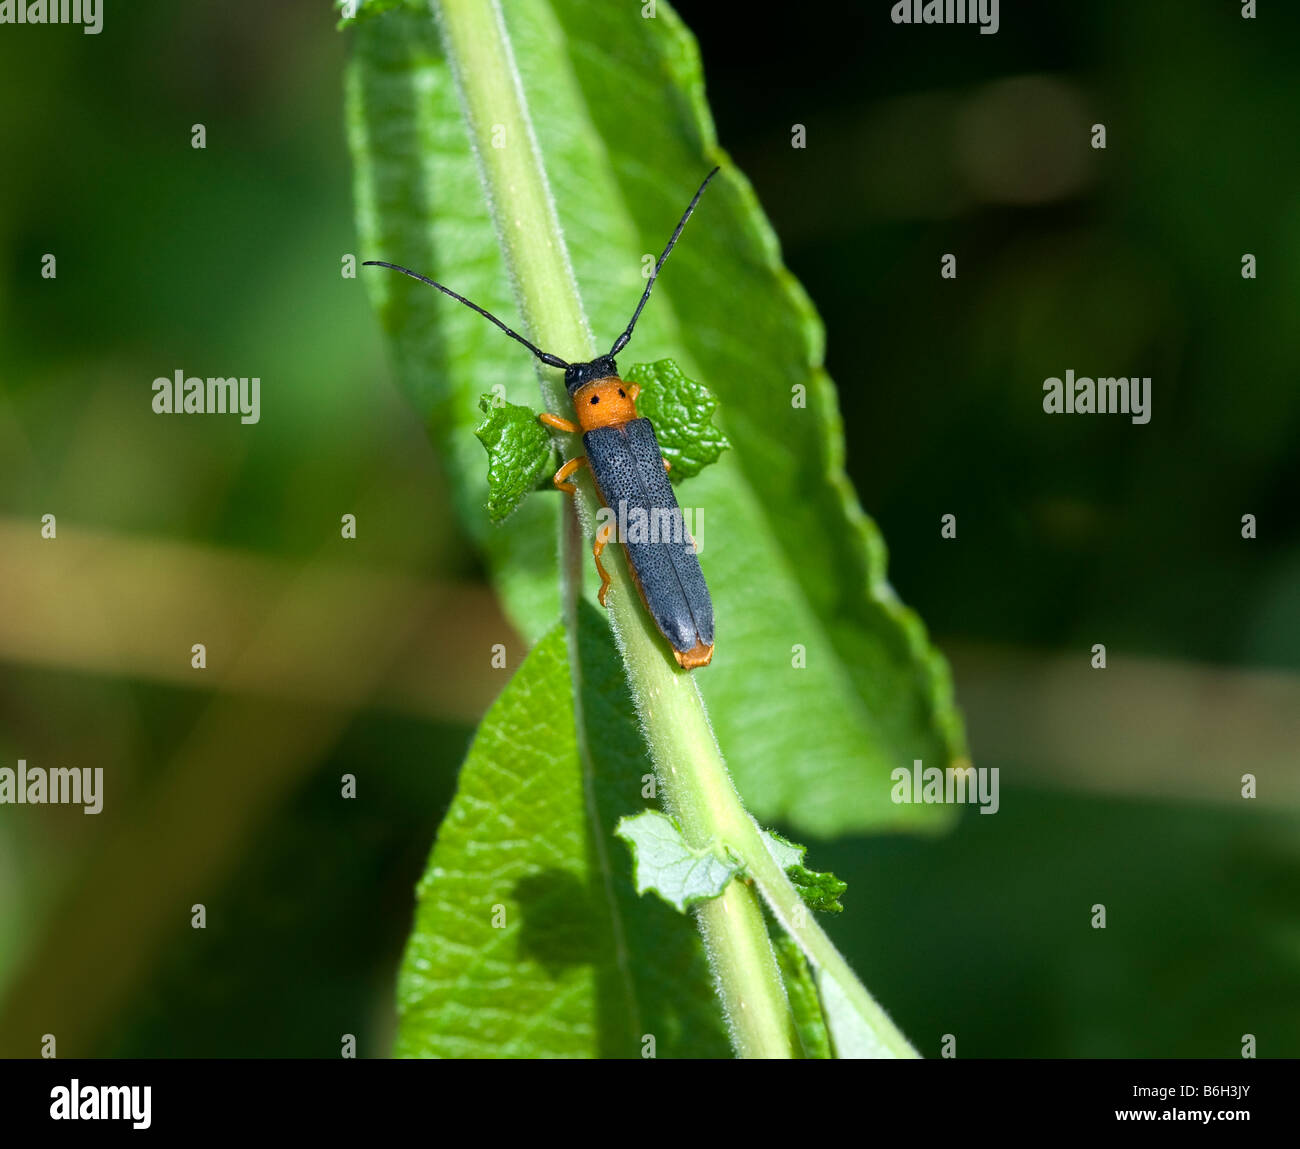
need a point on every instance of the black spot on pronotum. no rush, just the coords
(621, 393)
(595, 398)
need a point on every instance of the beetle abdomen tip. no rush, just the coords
(698, 655)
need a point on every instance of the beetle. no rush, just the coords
(630, 474)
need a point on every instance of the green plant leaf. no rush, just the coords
(519, 454)
(851, 1035)
(681, 410)
(822, 681)
(529, 938)
(820, 891)
(802, 993)
(664, 862)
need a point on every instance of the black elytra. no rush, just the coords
(628, 468)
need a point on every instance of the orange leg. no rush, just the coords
(667, 465)
(602, 540)
(549, 420)
(633, 390)
(564, 472)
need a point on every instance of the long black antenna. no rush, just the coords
(545, 356)
(622, 340)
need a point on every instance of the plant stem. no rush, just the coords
(693, 777)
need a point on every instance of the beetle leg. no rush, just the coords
(633, 390)
(549, 420)
(667, 465)
(564, 472)
(602, 540)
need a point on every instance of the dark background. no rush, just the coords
(1120, 788)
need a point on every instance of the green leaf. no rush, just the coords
(681, 410)
(820, 891)
(666, 863)
(519, 454)
(784, 852)
(529, 938)
(852, 1037)
(802, 993)
(822, 682)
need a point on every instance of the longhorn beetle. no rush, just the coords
(628, 469)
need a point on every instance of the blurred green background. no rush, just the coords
(329, 657)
